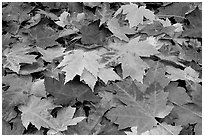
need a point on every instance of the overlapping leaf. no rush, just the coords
(16, 55)
(36, 112)
(132, 64)
(134, 14)
(86, 65)
(70, 92)
(141, 108)
(65, 118)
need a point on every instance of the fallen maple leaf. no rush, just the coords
(156, 74)
(36, 112)
(128, 54)
(65, 118)
(86, 65)
(76, 61)
(134, 14)
(141, 109)
(18, 90)
(69, 92)
(44, 35)
(16, 55)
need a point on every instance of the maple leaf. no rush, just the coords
(18, 91)
(141, 108)
(16, 55)
(65, 118)
(36, 112)
(134, 14)
(51, 53)
(70, 92)
(156, 73)
(132, 64)
(44, 35)
(76, 61)
(86, 65)
(187, 74)
(119, 31)
(104, 13)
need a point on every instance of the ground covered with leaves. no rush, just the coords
(94, 68)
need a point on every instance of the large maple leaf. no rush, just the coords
(36, 112)
(141, 109)
(71, 91)
(16, 55)
(87, 65)
(134, 14)
(129, 55)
